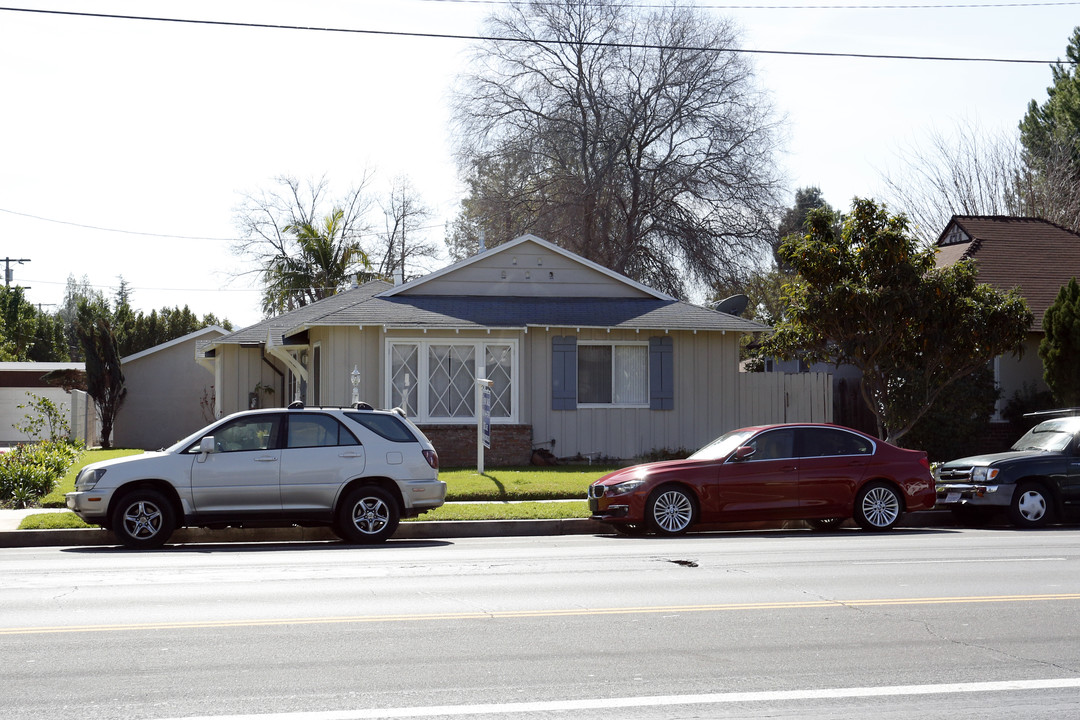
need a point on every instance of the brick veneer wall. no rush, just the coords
(456, 444)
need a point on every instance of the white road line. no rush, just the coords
(661, 701)
(959, 561)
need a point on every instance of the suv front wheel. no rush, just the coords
(143, 519)
(1030, 506)
(367, 515)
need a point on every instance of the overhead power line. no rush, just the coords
(149, 234)
(446, 36)
(114, 230)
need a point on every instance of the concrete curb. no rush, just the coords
(422, 530)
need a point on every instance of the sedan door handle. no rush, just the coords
(265, 458)
(351, 455)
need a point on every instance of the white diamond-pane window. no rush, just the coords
(451, 381)
(499, 363)
(404, 385)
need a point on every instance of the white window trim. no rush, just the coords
(423, 371)
(316, 391)
(612, 405)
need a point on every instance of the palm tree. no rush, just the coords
(323, 263)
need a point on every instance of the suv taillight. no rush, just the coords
(432, 459)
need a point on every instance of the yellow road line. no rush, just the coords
(570, 612)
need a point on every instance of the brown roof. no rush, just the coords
(1034, 255)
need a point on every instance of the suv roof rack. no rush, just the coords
(1064, 412)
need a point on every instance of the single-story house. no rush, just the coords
(1031, 254)
(582, 360)
(20, 380)
(169, 394)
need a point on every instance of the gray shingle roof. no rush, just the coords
(362, 306)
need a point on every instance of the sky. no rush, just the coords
(128, 144)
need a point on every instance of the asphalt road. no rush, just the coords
(913, 623)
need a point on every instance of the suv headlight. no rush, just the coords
(88, 478)
(984, 474)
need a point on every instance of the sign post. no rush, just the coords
(483, 421)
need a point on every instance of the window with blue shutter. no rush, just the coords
(661, 373)
(564, 372)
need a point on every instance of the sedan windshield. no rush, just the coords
(722, 446)
(1051, 436)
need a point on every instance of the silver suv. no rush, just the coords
(356, 470)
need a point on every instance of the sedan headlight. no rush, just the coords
(88, 478)
(984, 474)
(625, 487)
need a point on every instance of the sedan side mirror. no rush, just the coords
(206, 446)
(743, 452)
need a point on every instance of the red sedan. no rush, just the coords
(823, 474)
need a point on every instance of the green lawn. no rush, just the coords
(55, 499)
(560, 482)
(498, 494)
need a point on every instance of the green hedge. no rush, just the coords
(29, 472)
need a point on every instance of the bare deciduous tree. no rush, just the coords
(402, 243)
(287, 228)
(971, 172)
(632, 137)
(965, 173)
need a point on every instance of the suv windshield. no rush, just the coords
(1050, 436)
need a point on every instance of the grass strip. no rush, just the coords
(451, 511)
(499, 494)
(561, 482)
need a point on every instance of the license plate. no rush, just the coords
(952, 497)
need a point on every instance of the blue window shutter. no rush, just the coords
(564, 372)
(661, 373)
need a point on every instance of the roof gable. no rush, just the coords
(1033, 255)
(201, 334)
(527, 266)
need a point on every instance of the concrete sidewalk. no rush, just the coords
(420, 530)
(10, 519)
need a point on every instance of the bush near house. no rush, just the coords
(29, 472)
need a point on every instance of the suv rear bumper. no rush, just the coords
(421, 495)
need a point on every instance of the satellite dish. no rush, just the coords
(734, 305)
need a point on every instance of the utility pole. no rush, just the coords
(8, 272)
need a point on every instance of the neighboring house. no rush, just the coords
(17, 379)
(1034, 255)
(582, 360)
(169, 395)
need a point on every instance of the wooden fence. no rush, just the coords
(774, 397)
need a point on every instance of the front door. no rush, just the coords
(242, 474)
(763, 486)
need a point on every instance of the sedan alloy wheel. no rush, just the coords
(670, 511)
(878, 507)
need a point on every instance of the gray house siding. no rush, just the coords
(169, 394)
